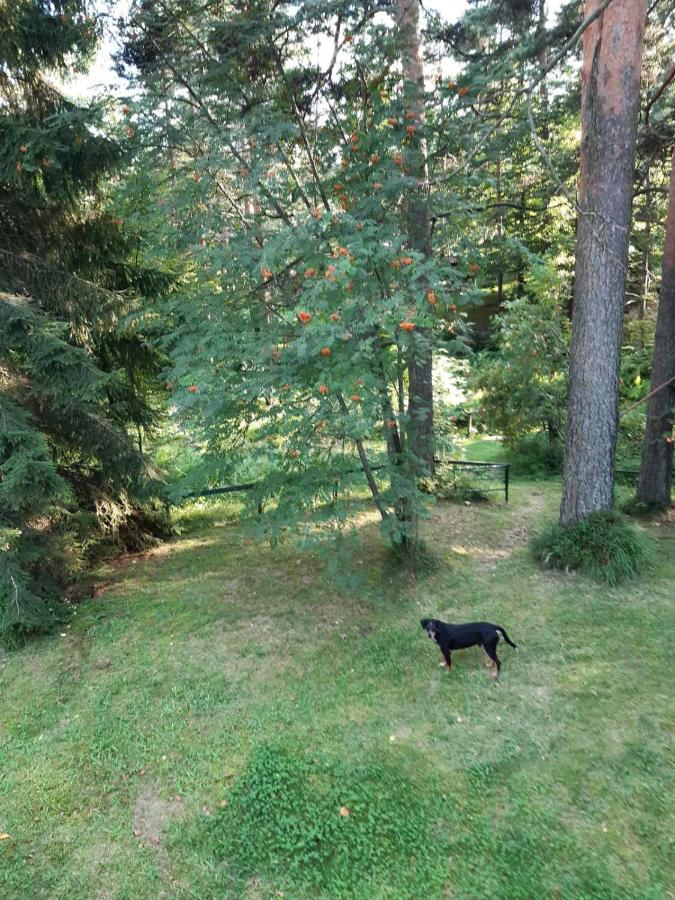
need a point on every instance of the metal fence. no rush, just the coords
(479, 477)
(482, 480)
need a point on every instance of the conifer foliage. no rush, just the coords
(77, 376)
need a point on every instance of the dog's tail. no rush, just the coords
(506, 637)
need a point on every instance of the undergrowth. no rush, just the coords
(638, 509)
(603, 545)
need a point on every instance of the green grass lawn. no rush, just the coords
(224, 721)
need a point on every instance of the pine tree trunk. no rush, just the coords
(420, 385)
(655, 483)
(543, 60)
(612, 55)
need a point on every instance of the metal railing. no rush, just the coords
(458, 464)
(489, 468)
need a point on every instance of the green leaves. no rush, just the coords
(523, 385)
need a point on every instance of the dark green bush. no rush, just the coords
(535, 455)
(326, 826)
(603, 545)
(638, 509)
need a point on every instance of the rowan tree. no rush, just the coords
(307, 295)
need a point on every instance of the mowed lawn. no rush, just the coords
(223, 720)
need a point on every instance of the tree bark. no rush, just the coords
(420, 366)
(655, 482)
(500, 232)
(612, 53)
(543, 62)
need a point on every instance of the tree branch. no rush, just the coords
(529, 88)
(297, 115)
(667, 78)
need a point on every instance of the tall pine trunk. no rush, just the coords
(655, 483)
(420, 386)
(612, 53)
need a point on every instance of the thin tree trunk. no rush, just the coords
(400, 388)
(655, 483)
(612, 53)
(500, 232)
(643, 283)
(420, 385)
(380, 503)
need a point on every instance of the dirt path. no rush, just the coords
(465, 525)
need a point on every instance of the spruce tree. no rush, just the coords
(77, 377)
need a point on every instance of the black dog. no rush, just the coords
(458, 637)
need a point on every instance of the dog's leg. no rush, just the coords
(447, 657)
(490, 648)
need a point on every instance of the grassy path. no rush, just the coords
(222, 721)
